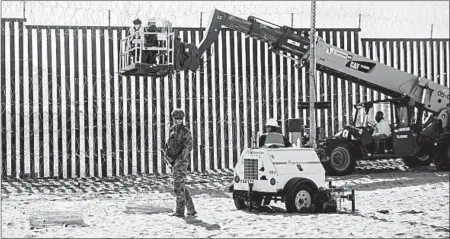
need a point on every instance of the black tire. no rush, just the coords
(300, 199)
(242, 204)
(442, 159)
(413, 161)
(340, 163)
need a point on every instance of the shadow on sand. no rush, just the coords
(198, 222)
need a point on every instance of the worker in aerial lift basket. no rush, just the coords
(151, 40)
(137, 39)
(178, 148)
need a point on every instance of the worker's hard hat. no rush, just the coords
(272, 122)
(137, 21)
(177, 114)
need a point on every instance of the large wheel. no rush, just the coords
(340, 163)
(300, 199)
(442, 159)
(416, 161)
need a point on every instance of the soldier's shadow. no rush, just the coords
(197, 222)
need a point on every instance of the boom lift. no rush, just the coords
(411, 96)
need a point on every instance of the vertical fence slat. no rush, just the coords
(59, 110)
(208, 129)
(103, 95)
(12, 92)
(114, 61)
(165, 114)
(52, 156)
(68, 103)
(92, 107)
(188, 37)
(215, 107)
(85, 104)
(214, 133)
(247, 93)
(97, 83)
(4, 143)
(76, 101)
(30, 107)
(21, 96)
(229, 119)
(233, 82)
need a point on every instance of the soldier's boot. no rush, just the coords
(179, 211)
(189, 204)
(177, 214)
(180, 205)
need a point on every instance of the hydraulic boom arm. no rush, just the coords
(279, 38)
(385, 79)
(332, 60)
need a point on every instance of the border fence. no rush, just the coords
(66, 113)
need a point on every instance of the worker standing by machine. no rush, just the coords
(273, 137)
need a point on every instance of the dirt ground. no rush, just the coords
(390, 203)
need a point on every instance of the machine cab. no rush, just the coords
(364, 122)
(403, 125)
(150, 53)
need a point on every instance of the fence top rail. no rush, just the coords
(174, 28)
(13, 20)
(73, 27)
(405, 39)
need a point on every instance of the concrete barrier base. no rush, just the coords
(146, 208)
(40, 219)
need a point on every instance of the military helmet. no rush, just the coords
(177, 114)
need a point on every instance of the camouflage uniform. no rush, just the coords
(179, 147)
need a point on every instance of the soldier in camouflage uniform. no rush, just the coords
(178, 148)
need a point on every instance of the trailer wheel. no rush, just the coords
(340, 163)
(301, 199)
(240, 204)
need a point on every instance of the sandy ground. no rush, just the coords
(389, 204)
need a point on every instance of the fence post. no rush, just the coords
(109, 18)
(23, 9)
(201, 16)
(312, 77)
(359, 21)
(292, 20)
(431, 31)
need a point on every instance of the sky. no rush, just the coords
(379, 19)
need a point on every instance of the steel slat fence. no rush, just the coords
(65, 112)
